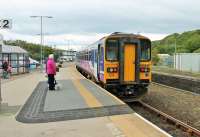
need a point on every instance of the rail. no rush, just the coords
(190, 130)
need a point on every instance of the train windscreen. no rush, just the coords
(112, 48)
(145, 50)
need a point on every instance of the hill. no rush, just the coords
(187, 42)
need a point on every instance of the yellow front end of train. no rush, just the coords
(127, 65)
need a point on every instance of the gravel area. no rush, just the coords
(182, 105)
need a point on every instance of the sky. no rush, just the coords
(81, 22)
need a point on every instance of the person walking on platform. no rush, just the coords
(51, 71)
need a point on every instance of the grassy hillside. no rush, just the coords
(187, 42)
(34, 49)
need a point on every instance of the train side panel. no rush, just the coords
(88, 62)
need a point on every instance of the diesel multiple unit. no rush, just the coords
(120, 62)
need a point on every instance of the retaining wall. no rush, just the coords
(181, 82)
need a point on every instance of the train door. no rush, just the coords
(98, 62)
(129, 62)
(95, 62)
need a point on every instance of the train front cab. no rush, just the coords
(127, 65)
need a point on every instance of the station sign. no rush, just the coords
(5, 23)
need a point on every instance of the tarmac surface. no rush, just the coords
(63, 113)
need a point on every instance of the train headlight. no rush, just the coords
(143, 69)
(115, 69)
(110, 70)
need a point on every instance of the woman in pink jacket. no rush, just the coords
(51, 71)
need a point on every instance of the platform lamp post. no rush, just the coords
(41, 37)
(1, 43)
(4, 24)
(43, 41)
(175, 51)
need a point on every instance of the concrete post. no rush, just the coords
(1, 43)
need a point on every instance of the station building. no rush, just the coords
(17, 57)
(68, 55)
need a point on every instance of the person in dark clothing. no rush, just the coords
(5, 69)
(5, 65)
(51, 71)
(51, 81)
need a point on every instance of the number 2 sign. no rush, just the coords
(5, 24)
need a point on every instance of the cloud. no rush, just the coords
(67, 41)
(102, 16)
(83, 22)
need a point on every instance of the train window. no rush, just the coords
(112, 49)
(145, 50)
(96, 55)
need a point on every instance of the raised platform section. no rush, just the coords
(76, 99)
(177, 81)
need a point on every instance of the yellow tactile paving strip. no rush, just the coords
(75, 75)
(103, 90)
(88, 97)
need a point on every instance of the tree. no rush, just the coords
(33, 49)
(197, 51)
(187, 42)
(193, 44)
(155, 58)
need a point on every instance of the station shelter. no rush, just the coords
(17, 57)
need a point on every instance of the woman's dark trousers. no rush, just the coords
(51, 81)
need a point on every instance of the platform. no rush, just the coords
(76, 99)
(79, 109)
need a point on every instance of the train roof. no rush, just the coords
(117, 35)
(121, 34)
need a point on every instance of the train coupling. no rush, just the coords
(129, 91)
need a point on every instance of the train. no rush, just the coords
(119, 62)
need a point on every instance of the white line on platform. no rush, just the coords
(153, 125)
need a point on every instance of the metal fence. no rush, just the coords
(181, 61)
(187, 62)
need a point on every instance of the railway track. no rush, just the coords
(168, 123)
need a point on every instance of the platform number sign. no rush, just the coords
(5, 23)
